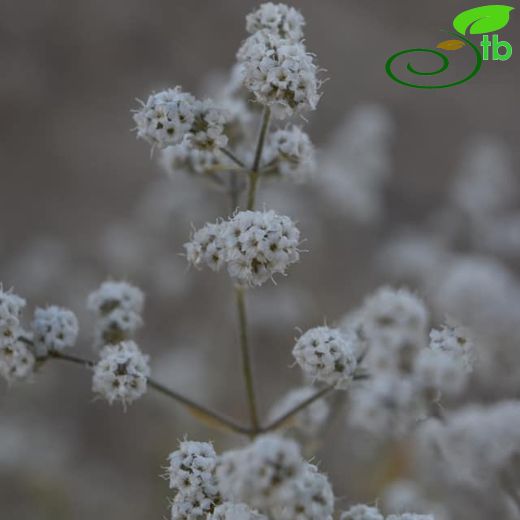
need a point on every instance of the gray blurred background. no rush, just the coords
(70, 166)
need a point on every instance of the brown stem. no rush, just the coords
(199, 409)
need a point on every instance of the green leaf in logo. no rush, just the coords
(482, 20)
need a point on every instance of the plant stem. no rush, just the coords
(202, 411)
(233, 157)
(246, 359)
(307, 402)
(255, 169)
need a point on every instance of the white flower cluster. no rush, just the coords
(291, 153)
(121, 374)
(268, 477)
(308, 421)
(191, 473)
(327, 355)
(278, 19)
(118, 307)
(172, 117)
(183, 157)
(407, 371)
(271, 476)
(54, 328)
(357, 164)
(254, 246)
(275, 66)
(364, 512)
(16, 359)
(476, 445)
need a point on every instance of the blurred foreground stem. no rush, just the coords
(246, 358)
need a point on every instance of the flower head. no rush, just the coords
(166, 117)
(118, 307)
(16, 361)
(121, 373)
(191, 474)
(290, 151)
(278, 19)
(254, 246)
(326, 355)
(54, 328)
(280, 74)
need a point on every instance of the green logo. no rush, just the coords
(480, 20)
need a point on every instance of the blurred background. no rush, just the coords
(81, 200)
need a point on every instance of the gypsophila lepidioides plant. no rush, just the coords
(383, 346)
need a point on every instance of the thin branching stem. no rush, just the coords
(307, 402)
(304, 404)
(255, 169)
(200, 410)
(234, 158)
(246, 359)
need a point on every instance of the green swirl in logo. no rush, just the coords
(444, 65)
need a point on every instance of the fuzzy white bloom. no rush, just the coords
(11, 306)
(326, 355)
(121, 373)
(230, 511)
(309, 497)
(436, 370)
(454, 340)
(166, 117)
(407, 495)
(278, 19)
(357, 164)
(475, 446)
(115, 295)
(391, 315)
(280, 74)
(486, 182)
(16, 361)
(207, 131)
(54, 328)
(362, 512)
(254, 246)
(394, 323)
(290, 152)
(191, 474)
(260, 473)
(185, 158)
(309, 420)
(118, 306)
(386, 407)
